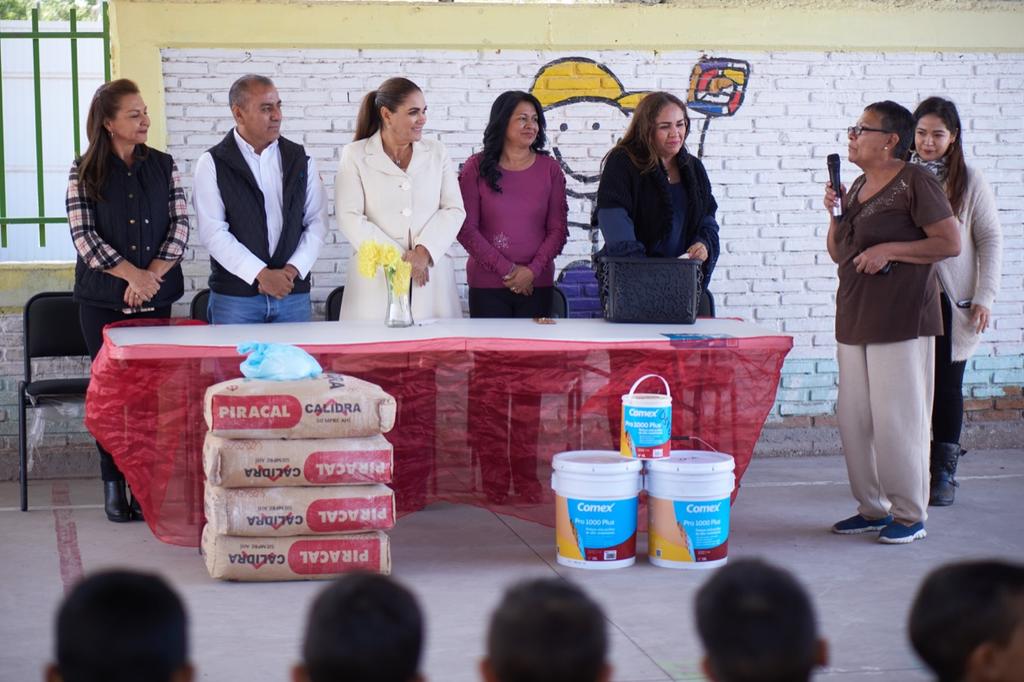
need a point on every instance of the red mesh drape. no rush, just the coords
(478, 420)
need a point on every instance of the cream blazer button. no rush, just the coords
(407, 212)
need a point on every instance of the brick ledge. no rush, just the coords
(811, 436)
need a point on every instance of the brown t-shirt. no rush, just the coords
(904, 303)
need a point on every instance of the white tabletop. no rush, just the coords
(358, 333)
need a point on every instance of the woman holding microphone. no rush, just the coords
(896, 222)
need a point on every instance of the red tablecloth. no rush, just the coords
(482, 408)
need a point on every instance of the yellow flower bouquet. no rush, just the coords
(397, 274)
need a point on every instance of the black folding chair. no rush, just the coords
(52, 329)
(197, 309)
(334, 304)
(706, 308)
(559, 304)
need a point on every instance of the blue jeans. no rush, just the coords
(225, 309)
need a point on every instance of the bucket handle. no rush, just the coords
(639, 381)
(699, 440)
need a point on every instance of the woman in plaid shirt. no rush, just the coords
(126, 209)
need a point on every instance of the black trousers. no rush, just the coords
(948, 405)
(503, 303)
(93, 320)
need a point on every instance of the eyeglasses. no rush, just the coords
(855, 131)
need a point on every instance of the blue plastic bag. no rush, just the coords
(278, 362)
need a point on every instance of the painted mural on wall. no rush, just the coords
(717, 88)
(587, 109)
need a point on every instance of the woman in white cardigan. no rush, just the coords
(969, 281)
(394, 187)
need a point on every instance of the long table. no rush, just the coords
(483, 405)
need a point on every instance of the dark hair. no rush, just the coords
(756, 624)
(638, 142)
(547, 630)
(95, 162)
(364, 627)
(961, 606)
(121, 626)
(391, 93)
(239, 92)
(956, 167)
(897, 119)
(494, 134)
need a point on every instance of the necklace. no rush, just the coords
(397, 158)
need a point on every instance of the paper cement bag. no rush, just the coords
(330, 406)
(277, 512)
(261, 463)
(297, 558)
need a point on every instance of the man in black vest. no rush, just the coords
(261, 213)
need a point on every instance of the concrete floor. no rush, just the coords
(458, 560)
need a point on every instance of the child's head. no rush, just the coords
(757, 625)
(546, 630)
(121, 626)
(967, 621)
(362, 627)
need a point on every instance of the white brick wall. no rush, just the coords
(766, 162)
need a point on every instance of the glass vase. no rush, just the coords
(399, 310)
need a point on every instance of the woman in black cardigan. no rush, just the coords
(655, 198)
(129, 223)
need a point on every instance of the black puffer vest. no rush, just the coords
(246, 216)
(133, 219)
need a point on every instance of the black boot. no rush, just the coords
(115, 503)
(943, 472)
(135, 510)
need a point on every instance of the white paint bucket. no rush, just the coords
(595, 508)
(646, 422)
(688, 509)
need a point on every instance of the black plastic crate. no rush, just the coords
(651, 289)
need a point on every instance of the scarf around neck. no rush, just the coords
(937, 167)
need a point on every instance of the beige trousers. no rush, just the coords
(884, 412)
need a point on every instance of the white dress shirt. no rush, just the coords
(266, 169)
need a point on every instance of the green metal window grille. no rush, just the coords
(73, 35)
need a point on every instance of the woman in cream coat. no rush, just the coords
(970, 282)
(394, 187)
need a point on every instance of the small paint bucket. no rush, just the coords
(595, 508)
(688, 509)
(646, 422)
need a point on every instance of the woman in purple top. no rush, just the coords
(516, 213)
(516, 223)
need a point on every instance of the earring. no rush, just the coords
(885, 147)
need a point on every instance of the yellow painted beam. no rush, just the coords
(142, 27)
(20, 281)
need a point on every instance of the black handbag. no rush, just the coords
(651, 290)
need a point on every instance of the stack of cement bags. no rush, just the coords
(296, 475)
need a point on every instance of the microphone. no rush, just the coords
(833, 177)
